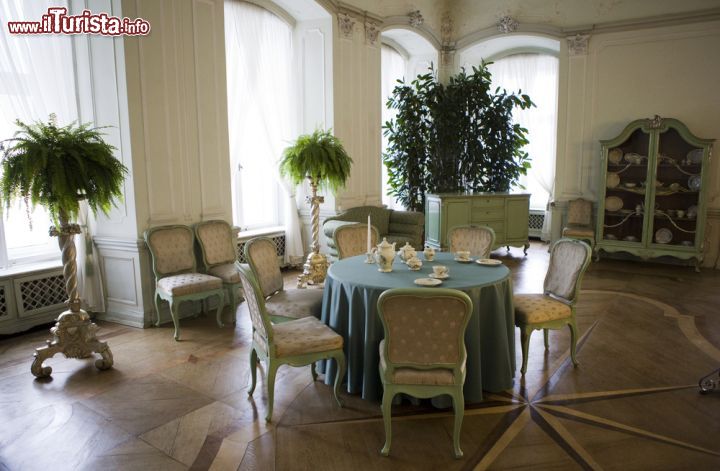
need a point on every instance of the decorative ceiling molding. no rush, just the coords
(416, 19)
(614, 26)
(402, 22)
(507, 24)
(578, 44)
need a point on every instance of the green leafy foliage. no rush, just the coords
(57, 167)
(453, 138)
(319, 156)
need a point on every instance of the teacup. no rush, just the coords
(414, 263)
(440, 270)
(462, 255)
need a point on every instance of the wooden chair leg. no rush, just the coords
(545, 339)
(221, 304)
(525, 334)
(232, 296)
(174, 307)
(313, 372)
(387, 418)
(459, 407)
(271, 371)
(339, 375)
(253, 371)
(157, 309)
(573, 341)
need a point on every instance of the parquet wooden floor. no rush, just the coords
(648, 333)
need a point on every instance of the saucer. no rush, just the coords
(439, 277)
(427, 282)
(463, 260)
(414, 269)
(488, 261)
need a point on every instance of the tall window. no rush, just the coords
(393, 67)
(259, 50)
(36, 79)
(537, 76)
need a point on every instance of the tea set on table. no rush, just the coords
(384, 256)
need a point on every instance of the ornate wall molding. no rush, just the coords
(372, 32)
(578, 44)
(346, 24)
(507, 24)
(416, 19)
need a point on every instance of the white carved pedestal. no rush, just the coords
(74, 332)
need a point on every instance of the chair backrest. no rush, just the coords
(351, 239)
(425, 327)
(216, 242)
(580, 212)
(256, 305)
(172, 250)
(261, 254)
(478, 240)
(569, 258)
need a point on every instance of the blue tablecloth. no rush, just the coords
(352, 288)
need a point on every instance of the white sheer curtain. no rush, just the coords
(392, 68)
(261, 118)
(536, 75)
(36, 79)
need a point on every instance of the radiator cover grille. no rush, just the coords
(536, 219)
(42, 292)
(278, 238)
(3, 302)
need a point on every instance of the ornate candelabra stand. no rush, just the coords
(74, 332)
(316, 265)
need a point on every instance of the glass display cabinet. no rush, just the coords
(652, 191)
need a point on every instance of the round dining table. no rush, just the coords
(349, 307)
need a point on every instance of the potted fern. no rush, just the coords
(57, 167)
(321, 158)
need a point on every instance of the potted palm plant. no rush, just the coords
(321, 158)
(57, 167)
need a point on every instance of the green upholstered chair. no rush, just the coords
(351, 239)
(554, 308)
(580, 221)
(478, 240)
(423, 353)
(281, 304)
(218, 248)
(395, 226)
(176, 276)
(298, 342)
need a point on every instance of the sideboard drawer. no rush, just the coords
(488, 202)
(487, 213)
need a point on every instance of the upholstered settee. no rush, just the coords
(396, 226)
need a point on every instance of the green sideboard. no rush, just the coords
(653, 189)
(506, 213)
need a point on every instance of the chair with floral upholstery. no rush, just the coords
(299, 342)
(351, 239)
(580, 221)
(478, 240)
(555, 307)
(218, 248)
(281, 304)
(423, 353)
(176, 275)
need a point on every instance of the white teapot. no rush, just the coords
(385, 255)
(407, 252)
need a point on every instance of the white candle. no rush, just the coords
(368, 235)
